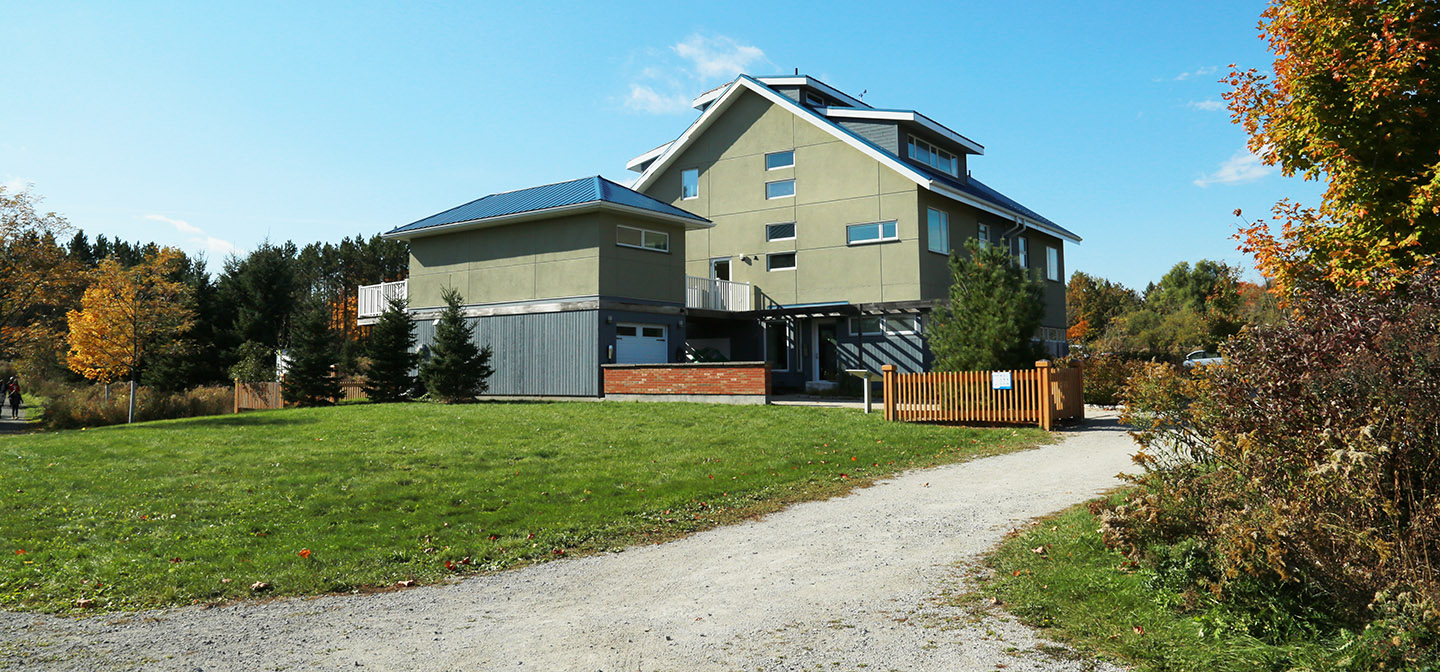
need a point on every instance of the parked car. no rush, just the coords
(1202, 358)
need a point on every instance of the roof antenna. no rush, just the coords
(797, 71)
(862, 94)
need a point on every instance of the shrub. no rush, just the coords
(457, 369)
(87, 407)
(1105, 376)
(1309, 462)
(314, 355)
(391, 355)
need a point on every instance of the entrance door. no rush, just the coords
(641, 344)
(827, 352)
(720, 269)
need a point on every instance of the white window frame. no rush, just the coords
(768, 197)
(944, 230)
(645, 235)
(1022, 252)
(882, 325)
(793, 231)
(770, 263)
(952, 169)
(894, 235)
(769, 167)
(683, 175)
(982, 232)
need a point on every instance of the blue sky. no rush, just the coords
(212, 128)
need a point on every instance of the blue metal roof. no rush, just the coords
(559, 195)
(970, 185)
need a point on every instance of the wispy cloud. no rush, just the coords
(666, 80)
(1209, 105)
(1240, 168)
(1199, 72)
(15, 185)
(198, 236)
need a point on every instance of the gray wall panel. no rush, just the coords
(884, 134)
(544, 354)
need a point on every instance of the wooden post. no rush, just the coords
(237, 395)
(1047, 403)
(1080, 387)
(887, 386)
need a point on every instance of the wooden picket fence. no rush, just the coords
(1041, 396)
(266, 395)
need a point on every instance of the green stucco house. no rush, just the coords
(789, 223)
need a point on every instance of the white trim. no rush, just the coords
(769, 268)
(792, 193)
(791, 152)
(944, 225)
(634, 164)
(727, 96)
(1052, 263)
(793, 231)
(683, 171)
(904, 115)
(800, 80)
(871, 241)
(642, 246)
(545, 213)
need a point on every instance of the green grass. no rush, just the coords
(197, 510)
(1085, 594)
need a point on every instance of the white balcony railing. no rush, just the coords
(373, 299)
(712, 294)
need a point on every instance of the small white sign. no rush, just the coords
(1000, 380)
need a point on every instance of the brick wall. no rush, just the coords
(719, 378)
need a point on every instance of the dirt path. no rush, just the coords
(847, 584)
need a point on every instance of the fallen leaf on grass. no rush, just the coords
(995, 602)
(259, 587)
(304, 553)
(1139, 630)
(85, 603)
(558, 551)
(1038, 550)
(19, 551)
(224, 580)
(404, 584)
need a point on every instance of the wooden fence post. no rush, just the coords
(236, 398)
(887, 387)
(1047, 403)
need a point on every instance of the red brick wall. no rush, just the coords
(752, 378)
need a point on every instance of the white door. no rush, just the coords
(641, 344)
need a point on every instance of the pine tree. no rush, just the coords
(310, 379)
(391, 353)
(994, 311)
(457, 369)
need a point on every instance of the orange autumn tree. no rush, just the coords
(38, 282)
(123, 312)
(1354, 101)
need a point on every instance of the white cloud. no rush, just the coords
(1240, 168)
(15, 185)
(1200, 72)
(644, 98)
(1209, 105)
(718, 56)
(198, 236)
(666, 80)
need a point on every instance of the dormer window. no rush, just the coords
(933, 156)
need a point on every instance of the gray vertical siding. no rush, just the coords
(546, 354)
(886, 135)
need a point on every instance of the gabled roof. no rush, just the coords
(798, 80)
(977, 194)
(586, 193)
(904, 115)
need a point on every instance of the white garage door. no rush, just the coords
(641, 344)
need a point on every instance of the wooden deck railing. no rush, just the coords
(1039, 396)
(266, 395)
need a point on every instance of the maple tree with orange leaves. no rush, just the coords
(37, 280)
(1353, 100)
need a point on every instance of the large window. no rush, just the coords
(938, 223)
(645, 239)
(1052, 263)
(873, 232)
(1022, 252)
(983, 233)
(781, 261)
(690, 183)
(931, 155)
(874, 326)
(780, 189)
(782, 231)
(779, 340)
(784, 159)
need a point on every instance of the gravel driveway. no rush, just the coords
(846, 584)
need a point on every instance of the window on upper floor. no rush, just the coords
(1052, 263)
(1022, 252)
(779, 189)
(782, 231)
(814, 100)
(645, 239)
(931, 155)
(785, 159)
(871, 232)
(690, 183)
(782, 261)
(938, 228)
(983, 233)
(874, 326)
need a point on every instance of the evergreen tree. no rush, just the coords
(390, 349)
(457, 369)
(994, 311)
(310, 379)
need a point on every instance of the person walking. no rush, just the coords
(13, 392)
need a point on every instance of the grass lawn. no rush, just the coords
(1084, 593)
(312, 501)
